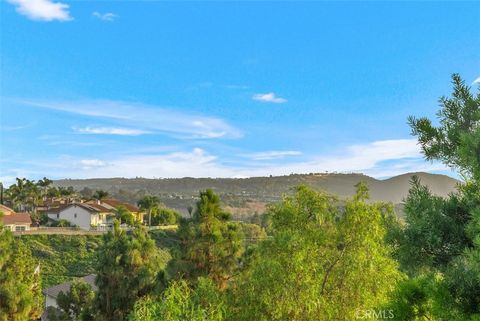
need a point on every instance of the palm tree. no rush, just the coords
(17, 194)
(33, 196)
(147, 203)
(44, 184)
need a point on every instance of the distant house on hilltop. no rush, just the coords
(92, 213)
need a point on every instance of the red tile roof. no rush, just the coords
(116, 203)
(6, 210)
(17, 218)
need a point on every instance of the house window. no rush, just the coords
(19, 228)
(75, 215)
(58, 215)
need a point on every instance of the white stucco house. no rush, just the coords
(85, 216)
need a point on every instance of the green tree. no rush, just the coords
(67, 192)
(76, 304)
(20, 288)
(435, 229)
(148, 203)
(211, 244)
(456, 141)
(100, 195)
(322, 262)
(44, 185)
(440, 240)
(124, 216)
(164, 216)
(181, 302)
(24, 195)
(128, 267)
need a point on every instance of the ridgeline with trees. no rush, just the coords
(310, 256)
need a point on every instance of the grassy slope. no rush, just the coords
(64, 257)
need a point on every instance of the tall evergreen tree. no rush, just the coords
(128, 267)
(441, 242)
(211, 244)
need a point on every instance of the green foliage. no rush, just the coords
(456, 141)
(127, 269)
(441, 236)
(181, 302)
(76, 304)
(100, 195)
(419, 299)
(164, 216)
(25, 195)
(124, 216)
(20, 285)
(252, 232)
(435, 229)
(63, 257)
(211, 244)
(148, 203)
(323, 262)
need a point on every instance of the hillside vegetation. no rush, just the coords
(245, 196)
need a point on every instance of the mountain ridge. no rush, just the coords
(249, 195)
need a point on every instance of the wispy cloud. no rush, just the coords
(269, 98)
(88, 164)
(476, 81)
(273, 154)
(14, 128)
(110, 131)
(42, 10)
(108, 16)
(378, 159)
(145, 117)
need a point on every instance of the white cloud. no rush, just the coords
(88, 164)
(476, 81)
(196, 163)
(269, 98)
(377, 159)
(110, 131)
(108, 16)
(273, 154)
(43, 10)
(145, 117)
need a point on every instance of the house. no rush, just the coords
(6, 210)
(51, 294)
(17, 222)
(113, 204)
(83, 215)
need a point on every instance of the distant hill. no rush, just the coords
(245, 196)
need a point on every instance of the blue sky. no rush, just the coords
(225, 89)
